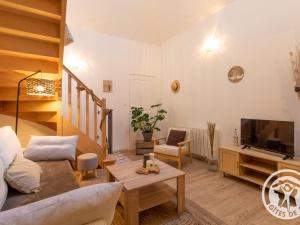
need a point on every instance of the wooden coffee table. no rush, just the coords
(143, 192)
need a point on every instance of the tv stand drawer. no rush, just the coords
(282, 166)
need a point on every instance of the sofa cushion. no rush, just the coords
(23, 175)
(77, 207)
(57, 178)
(175, 137)
(45, 148)
(169, 149)
(3, 186)
(10, 145)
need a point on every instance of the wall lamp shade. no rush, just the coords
(40, 87)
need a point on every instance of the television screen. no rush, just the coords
(275, 136)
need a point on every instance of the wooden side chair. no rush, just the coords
(175, 152)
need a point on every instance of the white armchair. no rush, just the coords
(174, 153)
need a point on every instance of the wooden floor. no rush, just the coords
(234, 201)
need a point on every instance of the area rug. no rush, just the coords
(160, 215)
(166, 215)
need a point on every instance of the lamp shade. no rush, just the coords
(41, 87)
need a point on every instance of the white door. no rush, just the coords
(144, 92)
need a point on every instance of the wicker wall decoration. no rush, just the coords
(295, 61)
(175, 86)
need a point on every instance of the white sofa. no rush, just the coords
(91, 205)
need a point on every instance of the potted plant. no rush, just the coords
(144, 122)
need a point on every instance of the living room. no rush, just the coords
(222, 77)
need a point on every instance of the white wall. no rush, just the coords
(25, 128)
(257, 35)
(107, 57)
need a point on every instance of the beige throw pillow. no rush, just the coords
(24, 175)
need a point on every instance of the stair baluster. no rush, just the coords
(97, 103)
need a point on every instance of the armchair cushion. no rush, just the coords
(176, 136)
(77, 207)
(169, 149)
(188, 131)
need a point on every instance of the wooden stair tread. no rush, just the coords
(29, 35)
(51, 6)
(27, 64)
(30, 10)
(22, 45)
(28, 55)
(30, 106)
(50, 117)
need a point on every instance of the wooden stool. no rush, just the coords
(87, 162)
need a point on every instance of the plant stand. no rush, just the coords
(143, 147)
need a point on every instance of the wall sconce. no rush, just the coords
(212, 44)
(75, 62)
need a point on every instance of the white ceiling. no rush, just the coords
(152, 21)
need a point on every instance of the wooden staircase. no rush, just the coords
(32, 39)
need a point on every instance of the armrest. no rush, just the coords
(156, 141)
(159, 139)
(80, 206)
(184, 143)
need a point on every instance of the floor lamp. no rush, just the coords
(34, 86)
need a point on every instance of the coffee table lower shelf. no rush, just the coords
(153, 195)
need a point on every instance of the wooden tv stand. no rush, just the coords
(252, 165)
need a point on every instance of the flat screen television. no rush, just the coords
(270, 135)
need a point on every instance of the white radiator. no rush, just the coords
(201, 146)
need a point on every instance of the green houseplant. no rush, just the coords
(146, 123)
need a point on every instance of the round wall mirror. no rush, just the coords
(236, 74)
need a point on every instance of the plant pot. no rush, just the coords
(147, 136)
